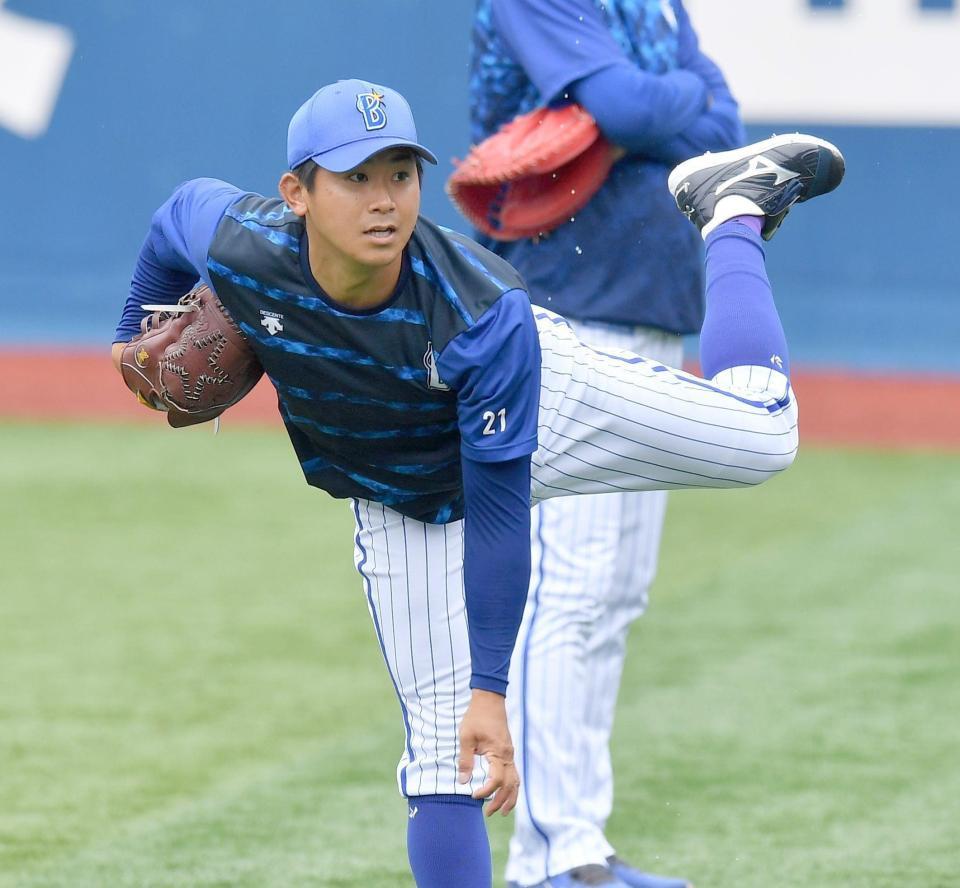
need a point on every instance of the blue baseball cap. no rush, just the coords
(343, 124)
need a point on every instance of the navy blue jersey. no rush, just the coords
(379, 404)
(627, 257)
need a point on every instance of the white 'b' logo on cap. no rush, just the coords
(371, 106)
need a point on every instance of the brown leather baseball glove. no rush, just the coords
(533, 174)
(191, 360)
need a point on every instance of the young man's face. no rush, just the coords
(365, 215)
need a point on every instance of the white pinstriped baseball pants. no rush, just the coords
(608, 422)
(594, 558)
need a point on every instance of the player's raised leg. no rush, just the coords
(612, 421)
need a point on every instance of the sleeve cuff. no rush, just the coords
(488, 683)
(499, 454)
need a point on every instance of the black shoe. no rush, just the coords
(763, 179)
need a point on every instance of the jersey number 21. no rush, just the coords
(490, 418)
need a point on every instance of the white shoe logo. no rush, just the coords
(759, 166)
(777, 361)
(412, 812)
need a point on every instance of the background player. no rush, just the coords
(415, 380)
(628, 273)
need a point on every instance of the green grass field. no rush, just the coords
(191, 693)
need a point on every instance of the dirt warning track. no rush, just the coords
(836, 407)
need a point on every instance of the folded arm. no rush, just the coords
(567, 50)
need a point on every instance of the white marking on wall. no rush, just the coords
(871, 62)
(33, 63)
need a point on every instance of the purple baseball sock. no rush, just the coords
(741, 326)
(447, 842)
(754, 223)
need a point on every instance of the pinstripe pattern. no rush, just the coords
(608, 421)
(518, 696)
(594, 558)
(607, 424)
(414, 574)
(362, 549)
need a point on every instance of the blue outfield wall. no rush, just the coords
(869, 277)
(157, 93)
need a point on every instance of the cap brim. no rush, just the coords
(346, 157)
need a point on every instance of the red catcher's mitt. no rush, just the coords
(191, 361)
(533, 174)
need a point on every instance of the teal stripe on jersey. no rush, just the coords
(476, 263)
(242, 280)
(282, 214)
(431, 274)
(422, 470)
(343, 355)
(443, 515)
(280, 238)
(426, 431)
(304, 395)
(313, 303)
(386, 493)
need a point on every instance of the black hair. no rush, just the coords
(306, 172)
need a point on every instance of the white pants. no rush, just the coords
(594, 558)
(608, 422)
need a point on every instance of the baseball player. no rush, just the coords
(417, 382)
(627, 272)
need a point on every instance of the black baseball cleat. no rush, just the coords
(766, 178)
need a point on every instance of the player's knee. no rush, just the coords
(785, 460)
(770, 464)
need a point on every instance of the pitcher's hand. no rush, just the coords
(484, 731)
